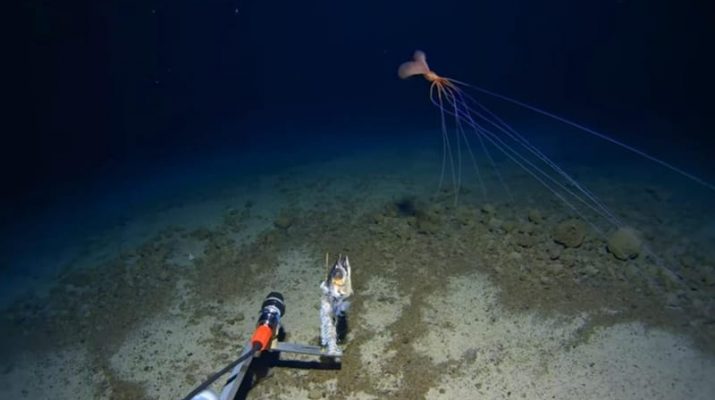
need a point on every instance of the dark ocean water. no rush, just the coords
(127, 114)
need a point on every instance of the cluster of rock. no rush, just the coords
(625, 243)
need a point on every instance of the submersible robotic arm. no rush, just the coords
(336, 289)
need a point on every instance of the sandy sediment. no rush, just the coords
(496, 299)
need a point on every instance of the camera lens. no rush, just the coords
(275, 299)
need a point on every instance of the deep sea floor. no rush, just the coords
(490, 296)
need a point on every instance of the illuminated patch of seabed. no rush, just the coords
(382, 307)
(196, 345)
(67, 374)
(521, 354)
(517, 352)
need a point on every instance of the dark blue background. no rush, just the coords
(102, 86)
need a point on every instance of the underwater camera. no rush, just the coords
(272, 309)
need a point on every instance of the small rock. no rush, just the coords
(570, 233)
(284, 221)
(568, 261)
(470, 355)
(673, 300)
(555, 268)
(427, 222)
(466, 216)
(315, 394)
(554, 251)
(488, 209)
(535, 216)
(590, 270)
(164, 275)
(495, 223)
(527, 228)
(525, 240)
(625, 244)
(509, 226)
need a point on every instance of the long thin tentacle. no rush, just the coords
(454, 92)
(510, 132)
(463, 134)
(590, 131)
(540, 174)
(446, 147)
